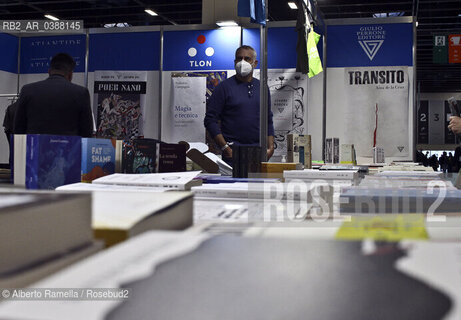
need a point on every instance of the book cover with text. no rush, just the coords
(98, 158)
(52, 161)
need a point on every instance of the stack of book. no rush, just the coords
(405, 167)
(362, 170)
(269, 201)
(347, 177)
(402, 192)
(119, 215)
(41, 232)
(176, 180)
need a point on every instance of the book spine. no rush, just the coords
(321, 175)
(220, 193)
(328, 150)
(244, 162)
(335, 150)
(236, 162)
(243, 194)
(118, 155)
(254, 161)
(308, 153)
(291, 148)
(84, 169)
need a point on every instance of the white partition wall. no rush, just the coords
(287, 88)
(370, 85)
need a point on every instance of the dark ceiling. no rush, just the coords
(434, 17)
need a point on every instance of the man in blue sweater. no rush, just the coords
(235, 102)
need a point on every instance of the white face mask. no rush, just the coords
(243, 68)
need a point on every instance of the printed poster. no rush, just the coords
(120, 99)
(213, 78)
(188, 109)
(289, 100)
(376, 110)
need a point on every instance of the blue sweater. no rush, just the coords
(236, 105)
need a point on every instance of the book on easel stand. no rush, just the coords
(199, 153)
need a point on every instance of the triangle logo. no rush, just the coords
(281, 109)
(400, 148)
(371, 47)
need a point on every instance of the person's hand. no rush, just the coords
(270, 152)
(227, 153)
(455, 124)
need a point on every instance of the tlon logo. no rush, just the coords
(192, 52)
(371, 38)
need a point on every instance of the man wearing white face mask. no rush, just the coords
(235, 103)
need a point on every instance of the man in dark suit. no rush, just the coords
(55, 105)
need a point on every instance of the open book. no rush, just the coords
(208, 161)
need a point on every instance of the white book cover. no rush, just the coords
(200, 146)
(19, 155)
(175, 180)
(425, 174)
(82, 186)
(405, 168)
(321, 174)
(264, 191)
(122, 210)
(219, 161)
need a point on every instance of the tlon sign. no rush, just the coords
(192, 52)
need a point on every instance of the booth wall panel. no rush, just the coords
(364, 49)
(36, 52)
(135, 51)
(281, 46)
(200, 50)
(391, 45)
(8, 85)
(9, 53)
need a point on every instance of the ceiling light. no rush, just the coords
(230, 23)
(49, 16)
(117, 25)
(151, 12)
(292, 5)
